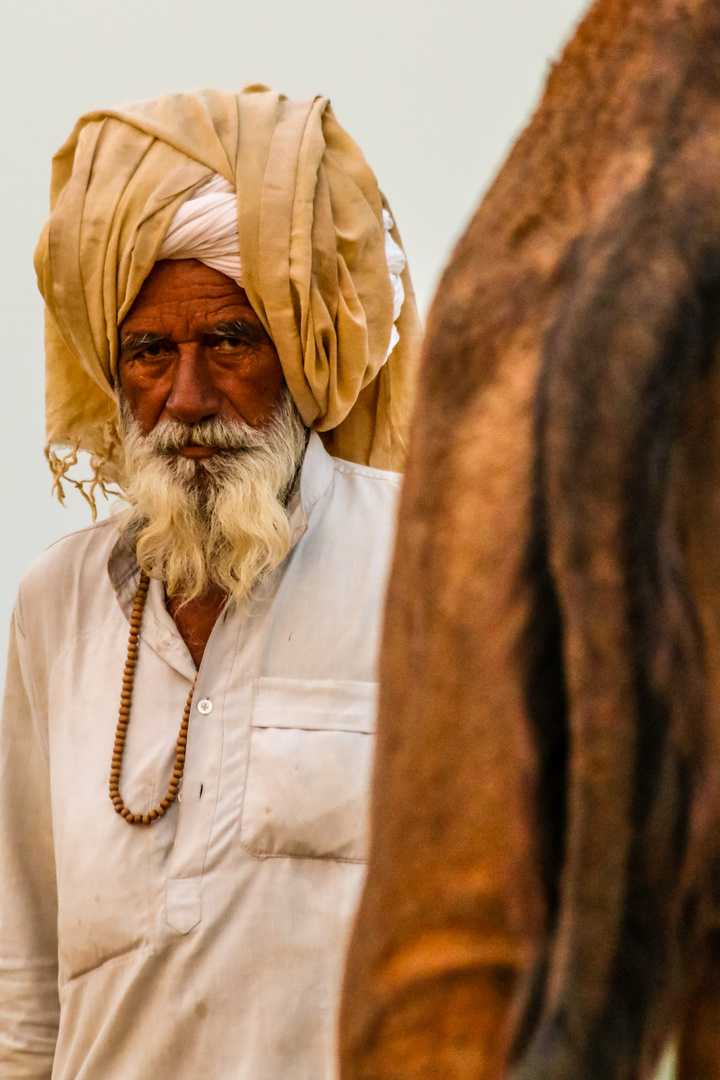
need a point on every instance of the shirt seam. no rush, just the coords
(351, 468)
(262, 855)
(118, 960)
(96, 525)
(27, 677)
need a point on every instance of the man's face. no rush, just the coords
(193, 349)
(212, 439)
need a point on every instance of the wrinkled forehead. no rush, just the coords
(186, 296)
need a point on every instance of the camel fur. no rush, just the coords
(543, 894)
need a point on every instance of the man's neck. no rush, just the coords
(196, 618)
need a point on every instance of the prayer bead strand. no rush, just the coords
(124, 720)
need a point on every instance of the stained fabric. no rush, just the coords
(310, 228)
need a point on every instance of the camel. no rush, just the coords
(543, 891)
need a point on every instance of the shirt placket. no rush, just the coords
(223, 694)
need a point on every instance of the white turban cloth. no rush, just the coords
(205, 227)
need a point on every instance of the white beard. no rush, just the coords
(218, 521)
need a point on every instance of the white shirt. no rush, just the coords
(210, 944)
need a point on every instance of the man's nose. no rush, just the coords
(193, 396)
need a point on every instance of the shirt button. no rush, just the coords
(205, 706)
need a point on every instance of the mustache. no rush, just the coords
(172, 435)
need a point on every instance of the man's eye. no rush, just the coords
(153, 350)
(228, 344)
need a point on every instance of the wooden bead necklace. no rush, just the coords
(124, 720)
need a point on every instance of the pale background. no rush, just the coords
(434, 91)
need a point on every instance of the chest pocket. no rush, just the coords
(308, 779)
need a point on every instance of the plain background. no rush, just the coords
(434, 91)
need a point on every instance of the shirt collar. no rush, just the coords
(316, 474)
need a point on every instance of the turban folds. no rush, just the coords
(205, 228)
(311, 238)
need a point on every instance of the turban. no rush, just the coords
(205, 228)
(311, 241)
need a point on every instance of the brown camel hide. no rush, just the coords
(544, 881)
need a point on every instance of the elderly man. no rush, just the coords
(186, 739)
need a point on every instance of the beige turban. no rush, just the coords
(312, 247)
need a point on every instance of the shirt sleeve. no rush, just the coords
(29, 1004)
